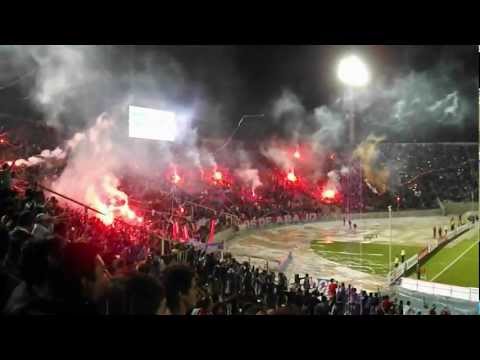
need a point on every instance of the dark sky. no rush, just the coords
(247, 79)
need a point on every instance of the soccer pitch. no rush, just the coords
(371, 258)
(457, 263)
(331, 250)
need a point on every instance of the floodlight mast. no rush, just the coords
(353, 73)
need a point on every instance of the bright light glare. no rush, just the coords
(217, 175)
(329, 194)
(296, 155)
(175, 178)
(291, 176)
(353, 72)
(145, 123)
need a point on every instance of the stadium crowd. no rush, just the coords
(55, 262)
(55, 259)
(433, 170)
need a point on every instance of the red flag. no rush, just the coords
(185, 232)
(175, 230)
(212, 230)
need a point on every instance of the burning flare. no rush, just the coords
(110, 201)
(328, 194)
(217, 175)
(175, 178)
(291, 176)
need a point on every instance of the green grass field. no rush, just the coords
(457, 264)
(370, 258)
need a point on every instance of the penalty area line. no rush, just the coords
(348, 253)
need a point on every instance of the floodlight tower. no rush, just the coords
(354, 74)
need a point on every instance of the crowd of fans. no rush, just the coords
(54, 261)
(430, 171)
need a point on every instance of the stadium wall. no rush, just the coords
(384, 214)
(457, 208)
(268, 223)
(403, 213)
(230, 234)
(460, 301)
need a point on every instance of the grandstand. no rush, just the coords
(154, 215)
(288, 233)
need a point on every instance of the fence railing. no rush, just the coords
(432, 288)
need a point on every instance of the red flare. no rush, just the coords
(328, 194)
(108, 199)
(291, 177)
(217, 175)
(296, 155)
(175, 178)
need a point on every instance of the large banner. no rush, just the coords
(294, 218)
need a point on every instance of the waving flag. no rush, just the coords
(212, 230)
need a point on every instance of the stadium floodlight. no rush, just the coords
(353, 72)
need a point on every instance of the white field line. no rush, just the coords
(348, 253)
(454, 261)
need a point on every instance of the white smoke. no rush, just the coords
(90, 161)
(449, 105)
(330, 128)
(44, 156)
(296, 122)
(333, 181)
(278, 156)
(63, 73)
(429, 98)
(287, 104)
(208, 160)
(248, 175)
(56, 154)
(417, 100)
(333, 176)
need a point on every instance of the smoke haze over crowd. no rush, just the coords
(70, 86)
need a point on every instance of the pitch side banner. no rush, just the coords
(280, 220)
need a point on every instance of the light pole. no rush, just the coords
(473, 201)
(390, 242)
(353, 73)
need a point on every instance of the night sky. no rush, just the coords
(261, 72)
(248, 79)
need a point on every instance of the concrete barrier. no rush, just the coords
(459, 208)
